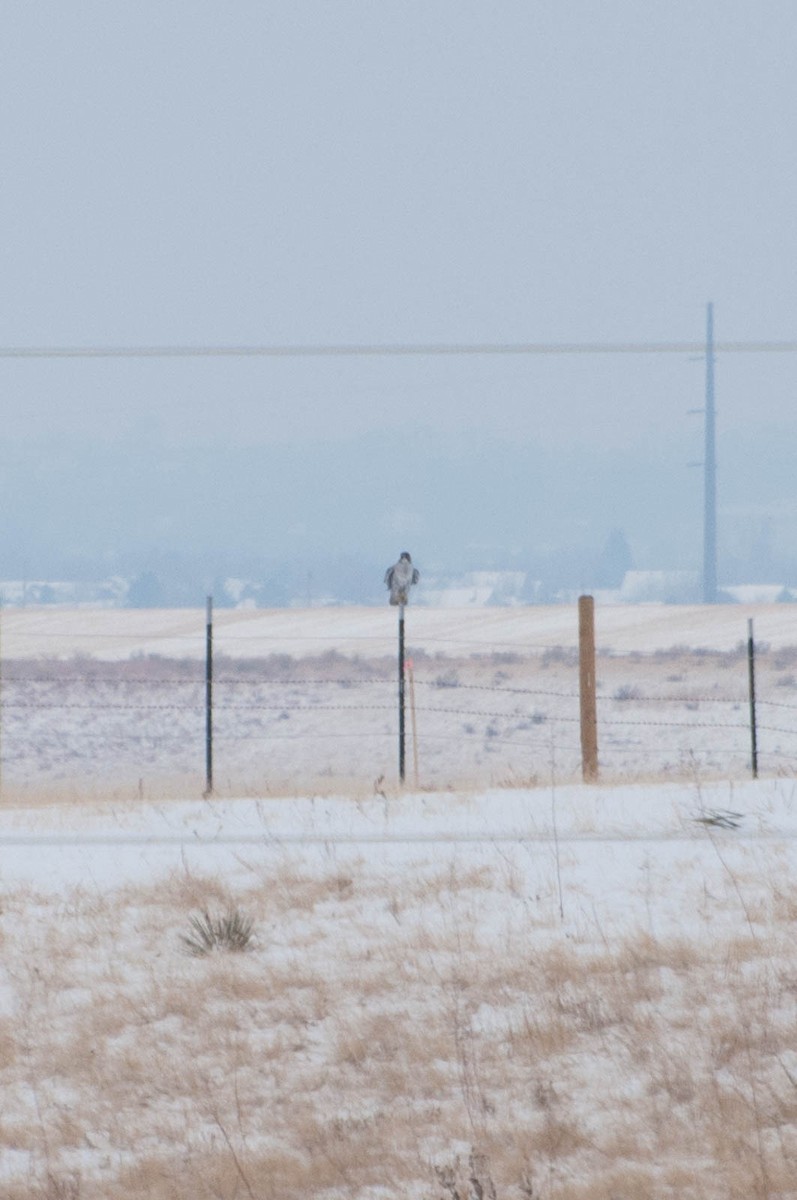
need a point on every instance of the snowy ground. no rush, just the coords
(371, 632)
(551, 991)
(567, 992)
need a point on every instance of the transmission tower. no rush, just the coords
(710, 472)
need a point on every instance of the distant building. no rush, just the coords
(103, 593)
(475, 589)
(653, 587)
(757, 593)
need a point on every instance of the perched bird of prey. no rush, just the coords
(399, 579)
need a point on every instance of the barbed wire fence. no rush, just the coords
(481, 713)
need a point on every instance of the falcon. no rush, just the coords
(400, 577)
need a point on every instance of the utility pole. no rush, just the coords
(710, 473)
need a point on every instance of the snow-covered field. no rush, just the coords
(371, 632)
(552, 990)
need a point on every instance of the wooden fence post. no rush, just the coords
(589, 711)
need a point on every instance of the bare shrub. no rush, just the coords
(559, 655)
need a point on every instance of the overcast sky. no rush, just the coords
(445, 171)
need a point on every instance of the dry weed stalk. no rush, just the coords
(61, 1187)
(472, 1183)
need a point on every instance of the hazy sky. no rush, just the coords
(329, 171)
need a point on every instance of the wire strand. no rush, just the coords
(396, 349)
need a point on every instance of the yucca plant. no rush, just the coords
(231, 932)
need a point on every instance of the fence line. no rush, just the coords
(490, 715)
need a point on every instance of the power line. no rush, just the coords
(395, 350)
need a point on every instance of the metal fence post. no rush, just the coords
(1, 710)
(209, 698)
(402, 768)
(751, 688)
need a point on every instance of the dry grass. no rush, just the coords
(393, 1034)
